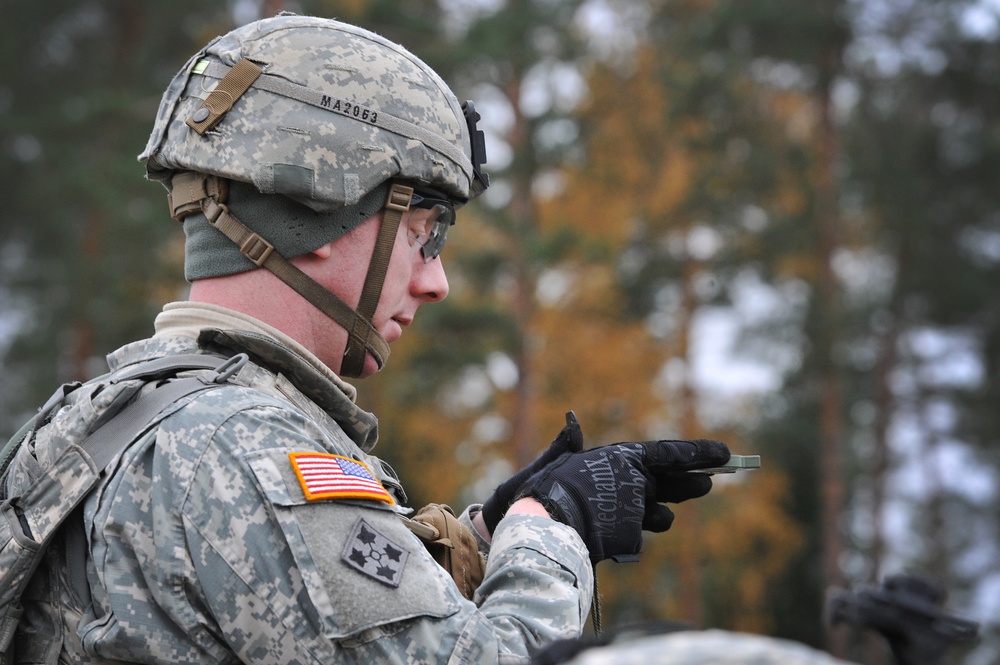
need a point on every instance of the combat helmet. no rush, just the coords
(339, 123)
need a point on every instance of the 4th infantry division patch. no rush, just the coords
(327, 476)
(371, 553)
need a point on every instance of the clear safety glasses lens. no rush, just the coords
(434, 233)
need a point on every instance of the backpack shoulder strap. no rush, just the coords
(18, 562)
(116, 434)
(148, 370)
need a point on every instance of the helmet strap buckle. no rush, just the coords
(189, 191)
(399, 198)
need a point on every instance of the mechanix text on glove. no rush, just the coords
(610, 494)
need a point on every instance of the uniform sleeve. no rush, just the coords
(283, 576)
(539, 582)
(466, 518)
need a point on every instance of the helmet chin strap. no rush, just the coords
(397, 203)
(193, 192)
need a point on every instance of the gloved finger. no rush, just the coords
(673, 456)
(677, 487)
(569, 440)
(657, 518)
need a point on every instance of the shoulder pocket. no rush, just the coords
(362, 567)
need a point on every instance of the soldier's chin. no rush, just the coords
(369, 368)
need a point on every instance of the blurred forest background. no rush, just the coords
(771, 222)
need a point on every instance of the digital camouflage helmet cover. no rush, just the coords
(337, 121)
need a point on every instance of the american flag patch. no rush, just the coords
(326, 476)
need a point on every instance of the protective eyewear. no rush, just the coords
(431, 232)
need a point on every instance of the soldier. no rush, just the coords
(316, 168)
(718, 647)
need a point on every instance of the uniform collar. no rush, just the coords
(188, 319)
(190, 327)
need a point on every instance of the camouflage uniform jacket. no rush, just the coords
(204, 546)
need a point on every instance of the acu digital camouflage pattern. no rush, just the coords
(203, 548)
(710, 647)
(376, 112)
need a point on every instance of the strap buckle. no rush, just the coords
(256, 249)
(399, 197)
(189, 189)
(227, 369)
(251, 246)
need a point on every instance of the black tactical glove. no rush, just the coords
(569, 440)
(610, 494)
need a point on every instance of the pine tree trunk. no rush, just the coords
(127, 30)
(689, 581)
(831, 388)
(523, 225)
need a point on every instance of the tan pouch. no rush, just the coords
(452, 545)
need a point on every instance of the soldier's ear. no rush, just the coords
(323, 251)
